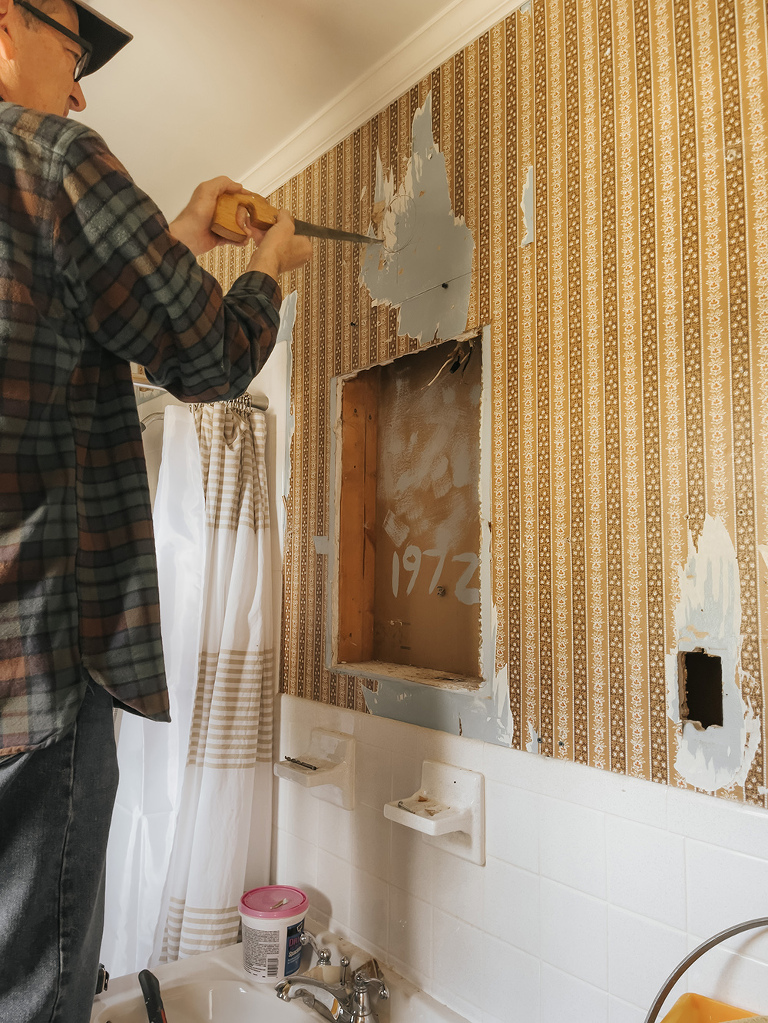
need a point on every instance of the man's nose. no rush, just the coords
(76, 98)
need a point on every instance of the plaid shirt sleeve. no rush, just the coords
(90, 279)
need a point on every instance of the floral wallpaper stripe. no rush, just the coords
(629, 372)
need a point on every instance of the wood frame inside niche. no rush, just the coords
(361, 639)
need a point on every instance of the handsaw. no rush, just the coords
(263, 216)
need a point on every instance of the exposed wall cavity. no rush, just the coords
(482, 713)
(708, 620)
(424, 267)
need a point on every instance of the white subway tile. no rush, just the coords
(406, 776)
(730, 978)
(373, 776)
(488, 1017)
(369, 909)
(572, 846)
(617, 794)
(458, 887)
(371, 730)
(297, 811)
(623, 1012)
(509, 766)
(567, 998)
(724, 888)
(735, 826)
(370, 841)
(511, 982)
(641, 955)
(296, 861)
(512, 905)
(334, 830)
(334, 883)
(410, 935)
(458, 959)
(512, 825)
(646, 871)
(448, 997)
(411, 862)
(573, 933)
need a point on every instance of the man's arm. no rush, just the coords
(142, 295)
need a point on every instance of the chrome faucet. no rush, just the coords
(323, 954)
(342, 1002)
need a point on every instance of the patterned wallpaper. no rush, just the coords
(629, 352)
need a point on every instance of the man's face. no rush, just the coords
(45, 61)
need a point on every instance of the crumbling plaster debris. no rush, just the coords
(708, 617)
(424, 267)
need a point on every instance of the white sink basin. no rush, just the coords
(214, 988)
(210, 988)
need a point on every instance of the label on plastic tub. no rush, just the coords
(273, 920)
(261, 953)
(293, 948)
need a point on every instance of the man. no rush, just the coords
(91, 277)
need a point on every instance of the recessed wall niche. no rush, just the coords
(407, 590)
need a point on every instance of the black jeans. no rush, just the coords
(55, 810)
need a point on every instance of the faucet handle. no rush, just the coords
(323, 954)
(344, 964)
(363, 982)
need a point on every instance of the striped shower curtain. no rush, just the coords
(228, 771)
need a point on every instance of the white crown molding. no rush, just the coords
(459, 24)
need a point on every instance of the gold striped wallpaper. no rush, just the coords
(629, 350)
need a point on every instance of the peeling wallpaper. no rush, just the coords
(628, 304)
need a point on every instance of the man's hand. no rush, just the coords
(281, 248)
(193, 224)
(277, 250)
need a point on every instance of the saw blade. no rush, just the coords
(316, 231)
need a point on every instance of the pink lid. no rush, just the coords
(274, 902)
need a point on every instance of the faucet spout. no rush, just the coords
(312, 991)
(341, 1003)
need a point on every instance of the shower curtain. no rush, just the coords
(183, 830)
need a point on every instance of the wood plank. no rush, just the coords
(357, 531)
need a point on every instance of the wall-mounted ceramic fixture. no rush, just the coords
(448, 809)
(327, 767)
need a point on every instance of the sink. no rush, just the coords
(224, 1001)
(214, 988)
(210, 988)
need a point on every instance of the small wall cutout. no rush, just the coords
(701, 688)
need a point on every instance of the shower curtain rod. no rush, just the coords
(244, 403)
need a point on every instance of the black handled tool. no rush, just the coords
(150, 988)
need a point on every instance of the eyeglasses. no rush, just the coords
(83, 60)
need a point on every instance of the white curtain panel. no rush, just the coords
(229, 761)
(151, 755)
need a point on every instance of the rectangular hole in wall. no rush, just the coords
(701, 688)
(408, 586)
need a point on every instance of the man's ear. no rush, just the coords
(7, 47)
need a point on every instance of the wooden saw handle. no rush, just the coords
(224, 222)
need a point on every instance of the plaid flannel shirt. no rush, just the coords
(90, 279)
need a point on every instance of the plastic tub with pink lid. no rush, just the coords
(273, 919)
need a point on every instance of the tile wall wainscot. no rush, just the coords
(595, 885)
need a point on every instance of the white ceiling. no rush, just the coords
(258, 88)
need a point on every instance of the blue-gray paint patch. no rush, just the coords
(527, 207)
(285, 336)
(482, 715)
(424, 267)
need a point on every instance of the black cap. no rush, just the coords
(104, 35)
